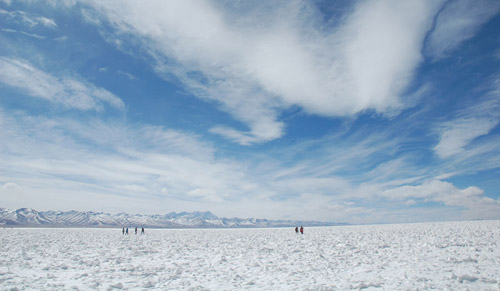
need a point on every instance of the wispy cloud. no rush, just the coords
(125, 74)
(23, 33)
(471, 122)
(459, 133)
(138, 167)
(254, 69)
(257, 61)
(457, 22)
(9, 185)
(69, 92)
(131, 166)
(28, 19)
(114, 162)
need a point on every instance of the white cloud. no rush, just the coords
(62, 38)
(471, 122)
(128, 75)
(47, 22)
(89, 164)
(63, 160)
(23, 33)
(64, 90)
(472, 199)
(255, 64)
(9, 186)
(456, 135)
(28, 19)
(458, 22)
(383, 43)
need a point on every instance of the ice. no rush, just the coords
(439, 256)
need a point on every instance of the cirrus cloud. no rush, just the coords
(67, 91)
(458, 21)
(254, 65)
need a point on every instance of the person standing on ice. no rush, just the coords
(142, 230)
(136, 230)
(296, 229)
(123, 230)
(126, 231)
(301, 230)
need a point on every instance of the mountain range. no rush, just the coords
(27, 217)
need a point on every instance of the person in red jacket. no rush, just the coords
(301, 230)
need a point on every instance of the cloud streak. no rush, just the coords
(66, 91)
(457, 22)
(457, 134)
(23, 33)
(28, 19)
(471, 122)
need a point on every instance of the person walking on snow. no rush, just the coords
(126, 231)
(142, 231)
(296, 229)
(136, 230)
(301, 230)
(123, 230)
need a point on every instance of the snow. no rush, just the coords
(439, 256)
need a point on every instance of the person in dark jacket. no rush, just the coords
(296, 229)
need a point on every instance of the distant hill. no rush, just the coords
(30, 217)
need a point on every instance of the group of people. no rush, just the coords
(125, 230)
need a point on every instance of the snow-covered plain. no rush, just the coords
(440, 256)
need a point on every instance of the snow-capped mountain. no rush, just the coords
(31, 217)
(23, 216)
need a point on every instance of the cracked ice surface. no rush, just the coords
(440, 256)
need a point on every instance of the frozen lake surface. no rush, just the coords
(440, 256)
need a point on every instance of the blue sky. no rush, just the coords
(353, 111)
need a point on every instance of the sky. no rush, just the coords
(339, 111)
